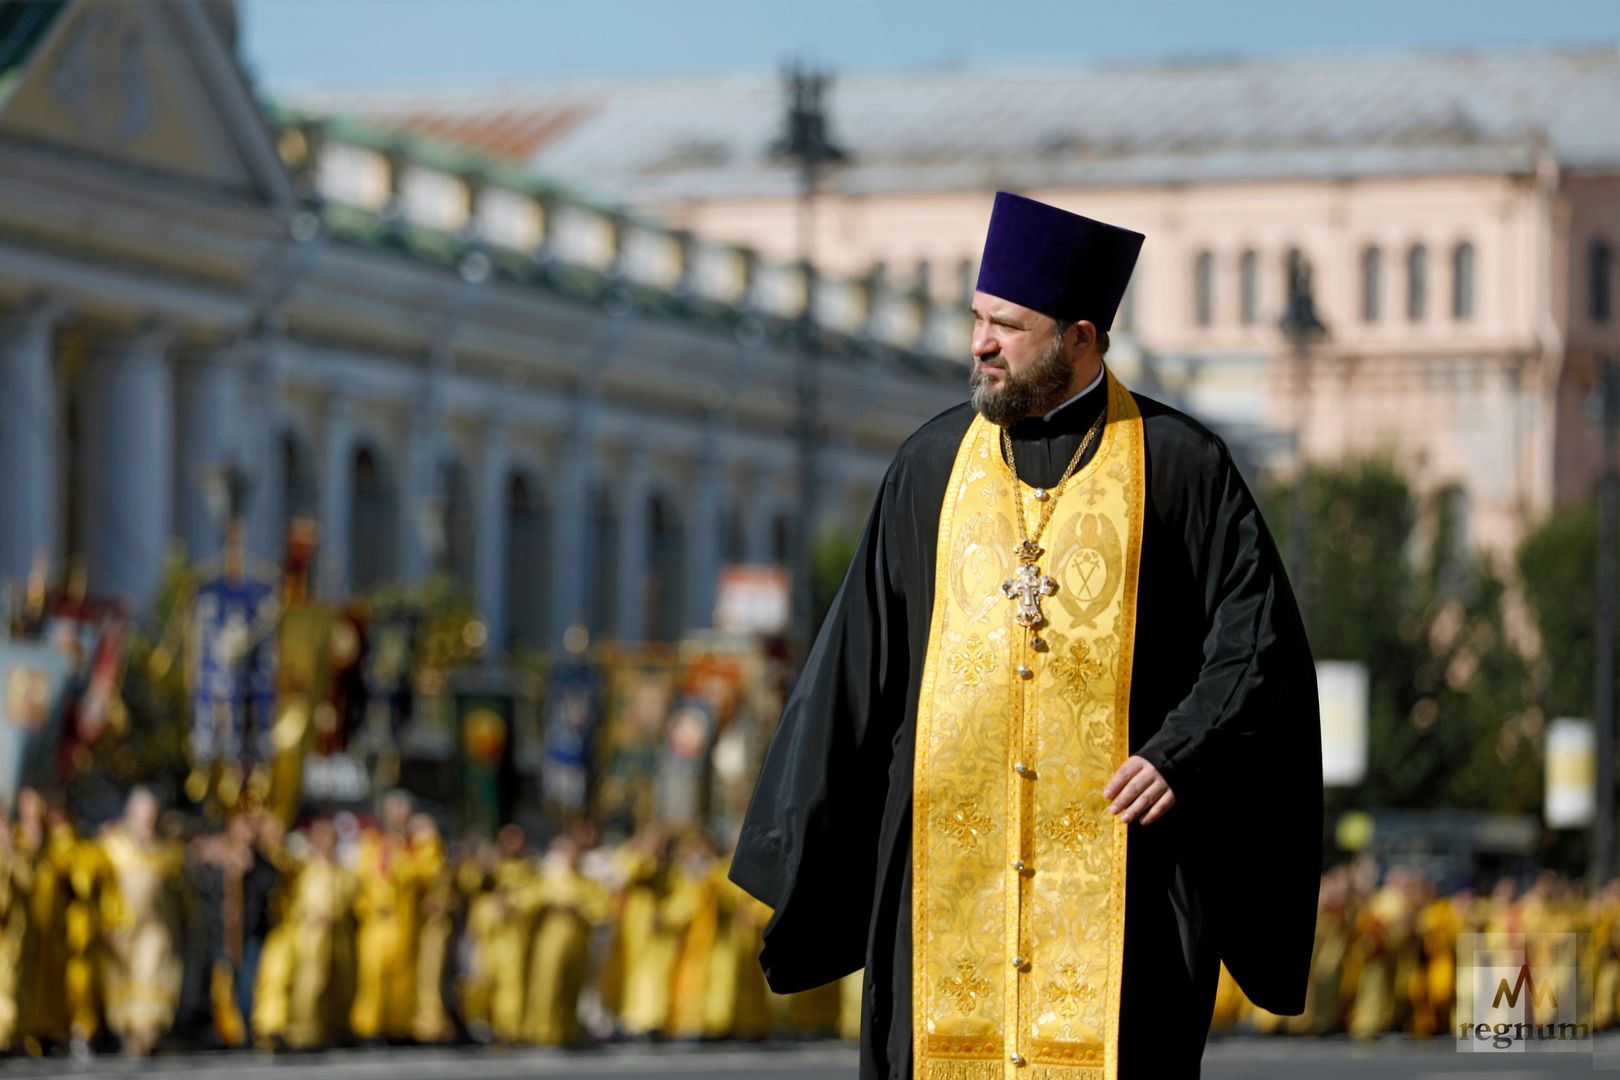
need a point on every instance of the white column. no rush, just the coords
(337, 498)
(631, 624)
(208, 400)
(492, 527)
(129, 447)
(28, 436)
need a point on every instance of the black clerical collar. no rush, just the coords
(1089, 387)
(1073, 416)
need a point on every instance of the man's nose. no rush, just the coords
(985, 345)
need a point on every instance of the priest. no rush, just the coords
(1055, 753)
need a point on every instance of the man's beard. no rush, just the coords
(1038, 390)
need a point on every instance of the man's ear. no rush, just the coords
(1085, 336)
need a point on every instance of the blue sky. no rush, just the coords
(291, 43)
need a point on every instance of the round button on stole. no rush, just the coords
(1020, 768)
(1019, 866)
(1016, 1058)
(1024, 672)
(1017, 962)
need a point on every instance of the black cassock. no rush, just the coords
(1223, 703)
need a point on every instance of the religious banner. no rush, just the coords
(233, 670)
(641, 689)
(386, 671)
(683, 763)
(572, 713)
(32, 677)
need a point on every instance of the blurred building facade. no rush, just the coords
(1459, 213)
(447, 363)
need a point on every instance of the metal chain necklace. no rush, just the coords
(1027, 585)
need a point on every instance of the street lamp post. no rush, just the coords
(1603, 830)
(1303, 328)
(805, 141)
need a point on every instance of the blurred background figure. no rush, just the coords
(144, 972)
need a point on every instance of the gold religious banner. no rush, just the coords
(1018, 877)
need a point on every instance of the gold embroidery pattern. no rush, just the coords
(961, 1070)
(972, 663)
(1078, 669)
(1091, 490)
(966, 825)
(1090, 565)
(975, 814)
(967, 988)
(1073, 828)
(1068, 993)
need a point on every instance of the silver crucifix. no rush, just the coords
(1025, 588)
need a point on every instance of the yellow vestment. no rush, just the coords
(1018, 886)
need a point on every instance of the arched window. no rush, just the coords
(1204, 288)
(601, 569)
(1249, 288)
(528, 562)
(733, 544)
(1372, 284)
(1602, 281)
(299, 495)
(458, 525)
(782, 539)
(1462, 281)
(1417, 283)
(665, 570)
(374, 524)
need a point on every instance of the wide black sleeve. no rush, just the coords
(808, 844)
(1242, 749)
(1256, 661)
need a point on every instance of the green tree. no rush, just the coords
(1392, 585)
(1556, 564)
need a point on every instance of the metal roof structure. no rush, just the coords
(1311, 115)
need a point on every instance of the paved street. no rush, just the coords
(1229, 1059)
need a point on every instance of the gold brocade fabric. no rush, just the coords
(1016, 971)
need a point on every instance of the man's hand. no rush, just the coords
(1139, 791)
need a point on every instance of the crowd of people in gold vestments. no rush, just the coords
(148, 933)
(1386, 952)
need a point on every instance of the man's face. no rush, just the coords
(1021, 365)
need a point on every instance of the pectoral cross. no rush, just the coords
(1025, 588)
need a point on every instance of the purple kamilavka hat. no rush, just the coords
(1060, 264)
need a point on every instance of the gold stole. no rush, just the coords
(1018, 874)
